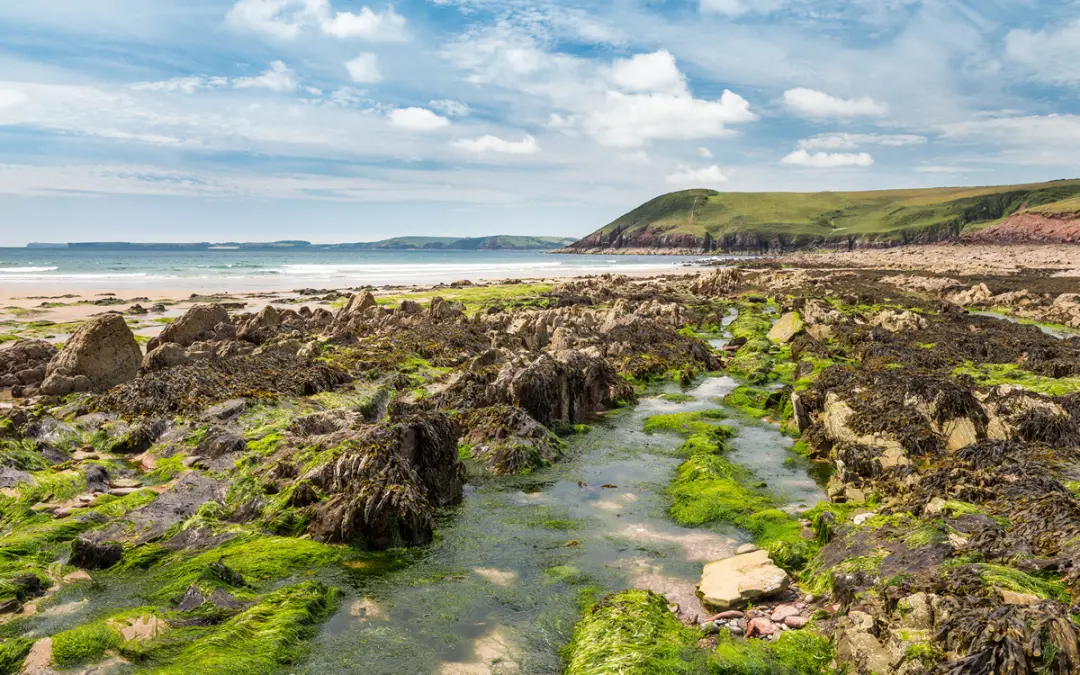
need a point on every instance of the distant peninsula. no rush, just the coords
(501, 242)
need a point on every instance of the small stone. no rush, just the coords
(709, 628)
(761, 626)
(735, 629)
(1014, 598)
(784, 611)
(725, 616)
(189, 462)
(123, 492)
(863, 517)
(796, 622)
(746, 548)
(125, 483)
(810, 599)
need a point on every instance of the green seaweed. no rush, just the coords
(632, 633)
(84, 644)
(802, 652)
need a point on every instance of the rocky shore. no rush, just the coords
(227, 469)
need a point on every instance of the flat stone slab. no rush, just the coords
(733, 582)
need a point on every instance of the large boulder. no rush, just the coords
(198, 323)
(741, 579)
(100, 355)
(786, 328)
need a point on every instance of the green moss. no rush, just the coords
(464, 451)
(708, 489)
(560, 428)
(1047, 587)
(167, 468)
(688, 423)
(567, 574)
(13, 652)
(84, 644)
(677, 398)
(632, 633)
(994, 374)
(259, 559)
(265, 638)
(21, 455)
(818, 580)
(802, 652)
(52, 486)
(266, 445)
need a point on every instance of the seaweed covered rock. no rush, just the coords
(509, 441)
(565, 387)
(381, 488)
(199, 323)
(24, 362)
(100, 355)
(191, 388)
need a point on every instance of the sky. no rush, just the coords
(337, 120)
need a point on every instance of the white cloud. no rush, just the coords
(11, 98)
(368, 25)
(364, 68)
(489, 143)
(940, 168)
(814, 103)
(183, 85)
(1051, 55)
(704, 152)
(700, 177)
(655, 72)
(827, 160)
(450, 107)
(278, 78)
(739, 7)
(844, 141)
(629, 120)
(417, 119)
(286, 19)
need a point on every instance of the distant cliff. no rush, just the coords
(500, 242)
(704, 221)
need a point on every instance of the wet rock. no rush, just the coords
(566, 387)
(786, 328)
(198, 323)
(857, 645)
(95, 555)
(796, 622)
(220, 441)
(227, 410)
(746, 548)
(100, 355)
(741, 579)
(508, 440)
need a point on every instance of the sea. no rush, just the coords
(236, 270)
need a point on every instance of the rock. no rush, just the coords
(857, 645)
(746, 548)
(126, 483)
(727, 616)
(761, 626)
(740, 579)
(39, 660)
(896, 321)
(358, 303)
(786, 328)
(796, 622)
(93, 555)
(1014, 598)
(800, 413)
(198, 323)
(103, 352)
(782, 612)
(227, 410)
(25, 362)
(861, 518)
(167, 355)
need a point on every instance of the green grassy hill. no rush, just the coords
(747, 221)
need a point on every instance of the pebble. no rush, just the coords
(863, 517)
(810, 599)
(724, 616)
(784, 611)
(761, 626)
(123, 492)
(125, 483)
(736, 629)
(796, 621)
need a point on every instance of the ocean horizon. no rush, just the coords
(234, 270)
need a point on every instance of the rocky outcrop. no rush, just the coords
(383, 489)
(508, 441)
(201, 322)
(566, 387)
(23, 364)
(100, 355)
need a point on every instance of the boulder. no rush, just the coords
(25, 362)
(896, 321)
(198, 323)
(741, 579)
(786, 328)
(167, 355)
(103, 351)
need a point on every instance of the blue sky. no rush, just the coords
(336, 120)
